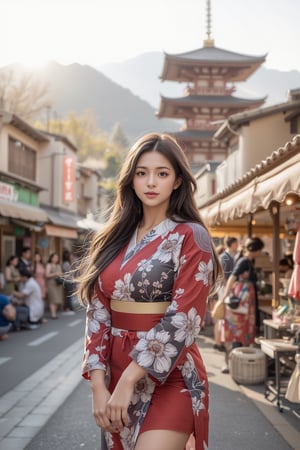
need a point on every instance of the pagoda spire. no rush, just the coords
(208, 42)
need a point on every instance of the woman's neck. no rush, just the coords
(147, 224)
(152, 218)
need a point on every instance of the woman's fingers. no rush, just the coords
(104, 422)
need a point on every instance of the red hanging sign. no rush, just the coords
(69, 179)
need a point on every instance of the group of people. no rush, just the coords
(27, 286)
(240, 325)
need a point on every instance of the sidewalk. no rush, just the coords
(26, 409)
(254, 421)
(240, 417)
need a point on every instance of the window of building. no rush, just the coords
(294, 125)
(21, 159)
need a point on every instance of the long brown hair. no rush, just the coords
(127, 211)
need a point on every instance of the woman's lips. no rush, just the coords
(151, 194)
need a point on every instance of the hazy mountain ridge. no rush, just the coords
(77, 88)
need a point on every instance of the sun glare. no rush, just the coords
(33, 63)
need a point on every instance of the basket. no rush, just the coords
(247, 365)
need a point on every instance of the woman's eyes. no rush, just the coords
(163, 174)
(141, 173)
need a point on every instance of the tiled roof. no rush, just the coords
(16, 121)
(276, 158)
(216, 55)
(235, 120)
(239, 66)
(199, 135)
(213, 100)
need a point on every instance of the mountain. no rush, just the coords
(141, 75)
(77, 88)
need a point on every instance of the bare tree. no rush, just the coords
(23, 93)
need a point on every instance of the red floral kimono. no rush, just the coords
(173, 263)
(239, 324)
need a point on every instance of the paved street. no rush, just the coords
(27, 351)
(48, 406)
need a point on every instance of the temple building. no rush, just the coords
(210, 74)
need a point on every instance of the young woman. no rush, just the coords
(11, 275)
(54, 284)
(240, 326)
(146, 279)
(39, 273)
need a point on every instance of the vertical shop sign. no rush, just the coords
(69, 179)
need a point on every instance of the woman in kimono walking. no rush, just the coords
(146, 279)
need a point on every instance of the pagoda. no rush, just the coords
(210, 73)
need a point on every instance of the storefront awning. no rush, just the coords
(22, 211)
(61, 218)
(263, 188)
(65, 233)
(29, 225)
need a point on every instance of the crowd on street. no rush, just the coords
(30, 287)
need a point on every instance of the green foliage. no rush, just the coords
(112, 163)
(119, 137)
(92, 144)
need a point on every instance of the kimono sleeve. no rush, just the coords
(165, 345)
(98, 324)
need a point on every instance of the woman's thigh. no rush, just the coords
(161, 440)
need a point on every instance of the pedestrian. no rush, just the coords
(240, 325)
(54, 284)
(7, 316)
(25, 259)
(146, 279)
(11, 274)
(226, 257)
(32, 297)
(68, 285)
(39, 273)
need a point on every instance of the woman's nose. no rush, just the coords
(151, 180)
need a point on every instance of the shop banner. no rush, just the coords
(7, 192)
(68, 179)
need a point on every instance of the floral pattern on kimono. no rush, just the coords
(239, 325)
(172, 263)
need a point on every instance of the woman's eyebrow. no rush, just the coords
(157, 168)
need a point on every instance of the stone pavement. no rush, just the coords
(28, 407)
(240, 415)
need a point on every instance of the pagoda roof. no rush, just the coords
(210, 101)
(193, 135)
(210, 56)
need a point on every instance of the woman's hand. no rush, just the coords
(101, 395)
(117, 406)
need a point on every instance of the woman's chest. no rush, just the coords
(146, 277)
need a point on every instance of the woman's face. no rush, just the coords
(15, 261)
(55, 258)
(37, 257)
(154, 180)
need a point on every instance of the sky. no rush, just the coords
(96, 32)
